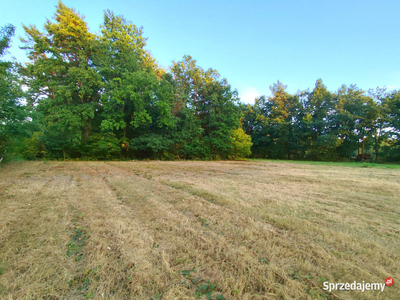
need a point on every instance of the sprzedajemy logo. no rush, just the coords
(358, 286)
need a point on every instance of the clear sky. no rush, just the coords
(254, 43)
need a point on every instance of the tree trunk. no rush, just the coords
(3, 155)
(87, 129)
(362, 147)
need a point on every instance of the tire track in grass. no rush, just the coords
(34, 248)
(153, 277)
(150, 240)
(120, 248)
(310, 215)
(312, 257)
(161, 223)
(229, 242)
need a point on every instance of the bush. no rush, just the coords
(102, 146)
(241, 143)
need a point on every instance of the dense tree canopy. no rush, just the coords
(103, 96)
(321, 125)
(13, 115)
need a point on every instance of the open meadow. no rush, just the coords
(191, 229)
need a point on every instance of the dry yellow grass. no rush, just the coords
(179, 230)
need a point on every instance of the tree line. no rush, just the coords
(103, 96)
(326, 126)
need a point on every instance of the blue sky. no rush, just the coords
(254, 43)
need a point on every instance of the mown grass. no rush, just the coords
(340, 164)
(196, 230)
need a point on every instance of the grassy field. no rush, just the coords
(187, 230)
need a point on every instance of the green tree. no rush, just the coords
(256, 125)
(382, 119)
(137, 103)
(391, 145)
(241, 143)
(356, 120)
(275, 133)
(13, 114)
(347, 108)
(319, 108)
(63, 80)
(211, 102)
